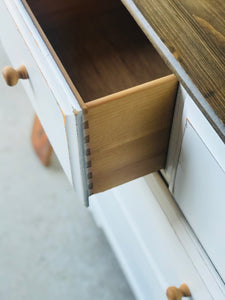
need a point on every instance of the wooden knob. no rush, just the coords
(12, 76)
(174, 293)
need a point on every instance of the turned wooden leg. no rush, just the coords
(41, 143)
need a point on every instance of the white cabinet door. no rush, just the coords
(200, 192)
(47, 90)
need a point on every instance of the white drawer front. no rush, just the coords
(200, 192)
(46, 88)
(146, 244)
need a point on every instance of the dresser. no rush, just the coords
(131, 97)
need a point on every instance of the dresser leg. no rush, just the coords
(41, 143)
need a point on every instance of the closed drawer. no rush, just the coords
(123, 92)
(199, 190)
(148, 234)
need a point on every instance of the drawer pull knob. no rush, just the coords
(174, 293)
(12, 76)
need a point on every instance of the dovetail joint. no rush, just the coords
(88, 152)
(88, 156)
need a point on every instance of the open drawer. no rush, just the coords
(123, 93)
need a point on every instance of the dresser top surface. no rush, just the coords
(194, 33)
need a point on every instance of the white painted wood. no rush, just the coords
(39, 92)
(154, 244)
(200, 192)
(199, 186)
(187, 237)
(74, 129)
(185, 110)
(46, 89)
(176, 135)
(123, 240)
(208, 135)
(42, 55)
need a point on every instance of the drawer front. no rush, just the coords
(199, 190)
(46, 90)
(146, 244)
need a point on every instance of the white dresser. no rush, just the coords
(166, 228)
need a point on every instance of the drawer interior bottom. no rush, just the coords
(102, 48)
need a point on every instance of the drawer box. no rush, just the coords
(124, 92)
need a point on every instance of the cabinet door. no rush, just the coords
(199, 190)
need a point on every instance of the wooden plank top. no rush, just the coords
(193, 31)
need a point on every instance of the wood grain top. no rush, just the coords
(194, 32)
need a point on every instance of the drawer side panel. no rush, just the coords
(128, 133)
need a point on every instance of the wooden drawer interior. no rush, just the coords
(100, 45)
(123, 86)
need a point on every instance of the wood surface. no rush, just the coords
(194, 32)
(102, 53)
(127, 133)
(12, 75)
(57, 11)
(174, 293)
(41, 143)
